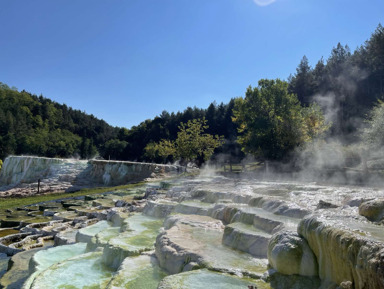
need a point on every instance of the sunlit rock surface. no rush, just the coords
(201, 228)
(290, 254)
(246, 238)
(373, 210)
(20, 175)
(186, 246)
(114, 173)
(346, 250)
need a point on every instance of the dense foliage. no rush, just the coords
(271, 120)
(192, 143)
(347, 85)
(39, 126)
(272, 123)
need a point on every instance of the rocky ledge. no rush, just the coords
(199, 231)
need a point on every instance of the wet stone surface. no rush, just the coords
(196, 232)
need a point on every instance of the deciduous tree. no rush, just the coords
(271, 122)
(191, 144)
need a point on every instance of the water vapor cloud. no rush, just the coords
(263, 2)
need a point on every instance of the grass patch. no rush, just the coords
(13, 202)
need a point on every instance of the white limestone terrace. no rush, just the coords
(305, 196)
(20, 175)
(310, 224)
(278, 235)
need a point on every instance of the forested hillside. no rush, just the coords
(38, 126)
(346, 87)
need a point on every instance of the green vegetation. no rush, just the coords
(35, 125)
(8, 203)
(346, 85)
(1, 164)
(38, 126)
(191, 144)
(272, 123)
(373, 135)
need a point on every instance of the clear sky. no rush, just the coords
(125, 61)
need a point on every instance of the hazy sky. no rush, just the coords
(125, 61)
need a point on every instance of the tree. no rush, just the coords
(319, 76)
(162, 151)
(191, 144)
(302, 84)
(374, 48)
(114, 148)
(373, 134)
(271, 122)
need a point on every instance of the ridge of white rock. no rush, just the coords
(23, 174)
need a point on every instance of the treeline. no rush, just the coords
(346, 86)
(36, 125)
(130, 144)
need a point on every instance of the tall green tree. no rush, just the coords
(271, 122)
(302, 83)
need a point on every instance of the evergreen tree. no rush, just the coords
(302, 83)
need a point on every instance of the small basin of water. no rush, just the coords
(141, 233)
(6, 232)
(142, 272)
(46, 258)
(207, 243)
(83, 271)
(202, 279)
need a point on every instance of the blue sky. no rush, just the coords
(125, 61)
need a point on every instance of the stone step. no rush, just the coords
(86, 234)
(159, 208)
(185, 247)
(138, 235)
(246, 238)
(228, 213)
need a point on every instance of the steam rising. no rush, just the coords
(342, 157)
